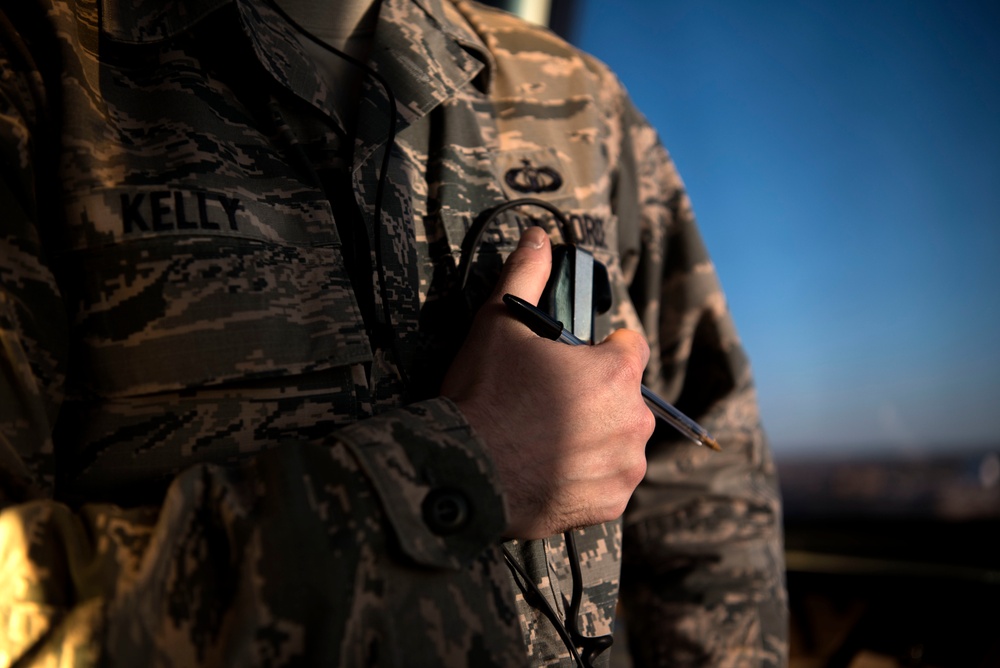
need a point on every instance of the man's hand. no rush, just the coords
(566, 426)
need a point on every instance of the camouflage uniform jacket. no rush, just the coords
(206, 458)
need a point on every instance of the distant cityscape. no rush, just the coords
(963, 486)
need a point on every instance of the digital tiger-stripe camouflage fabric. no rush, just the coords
(208, 459)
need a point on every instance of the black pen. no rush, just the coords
(546, 326)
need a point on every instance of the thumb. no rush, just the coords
(527, 269)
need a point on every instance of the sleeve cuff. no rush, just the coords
(437, 486)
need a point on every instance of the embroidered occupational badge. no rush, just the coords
(530, 179)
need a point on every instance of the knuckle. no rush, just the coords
(641, 422)
(617, 509)
(637, 472)
(611, 509)
(637, 345)
(642, 348)
(647, 425)
(629, 477)
(627, 370)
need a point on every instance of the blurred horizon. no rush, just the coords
(843, 161)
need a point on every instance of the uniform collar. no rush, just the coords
(424, 49)
(151, 21)
(451, 15)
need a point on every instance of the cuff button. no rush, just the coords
(446, 511)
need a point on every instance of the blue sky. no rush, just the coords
(844, 163)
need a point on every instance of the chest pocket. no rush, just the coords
(165, 306)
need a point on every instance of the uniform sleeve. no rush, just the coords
(333, 553)
(703, 567)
